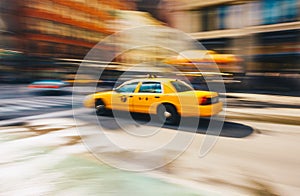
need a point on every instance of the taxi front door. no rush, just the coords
(121, 101)
(122, 97)
(147, 97)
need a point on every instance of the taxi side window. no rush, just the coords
(127, 88)
(150, 87)
(181, 87)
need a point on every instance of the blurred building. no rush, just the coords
(35, 33)
(57, 28)
(264, 32)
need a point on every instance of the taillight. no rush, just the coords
(203, 100)
(51, 86)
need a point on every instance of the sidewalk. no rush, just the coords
(262, 107)
(266, 98)
(47, 157)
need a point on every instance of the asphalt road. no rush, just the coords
(257, 152)
(18, 101)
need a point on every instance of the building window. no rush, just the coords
(222, 11)
(248, 14)
(209, 19)
(277, 11)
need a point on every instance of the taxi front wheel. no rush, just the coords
(100, 108)
(168, 114)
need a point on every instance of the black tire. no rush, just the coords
(100, 108)
(168, 114)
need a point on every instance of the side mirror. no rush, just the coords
(116, 90)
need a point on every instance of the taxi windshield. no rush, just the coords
(181, 86)
(127, 88)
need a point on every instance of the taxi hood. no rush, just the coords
(103, 93)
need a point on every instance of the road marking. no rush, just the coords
(5, 109)
(18, 107)
(31, 104)
(35, 103)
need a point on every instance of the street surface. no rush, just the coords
(44, 152)
(19, 101)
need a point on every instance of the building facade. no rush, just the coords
(264, 32)
(71, 27)
(35, 33)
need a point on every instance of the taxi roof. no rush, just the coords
(152, 79)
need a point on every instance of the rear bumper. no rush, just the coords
(204, 110)
(211, 110)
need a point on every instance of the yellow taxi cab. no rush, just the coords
(167, 99)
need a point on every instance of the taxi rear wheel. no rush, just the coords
(168, 114)
(100, 108)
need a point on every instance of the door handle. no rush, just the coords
(157, 97)
(130, 95)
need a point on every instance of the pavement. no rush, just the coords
(278, 109)
(266, 98)
(47, 157)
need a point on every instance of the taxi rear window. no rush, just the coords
(181, 87)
